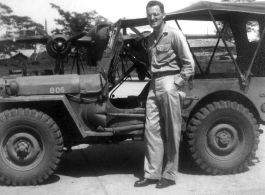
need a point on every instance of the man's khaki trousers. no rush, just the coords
(163, 128)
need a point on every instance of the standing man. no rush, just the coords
(171, 65)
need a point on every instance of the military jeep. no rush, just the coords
(42, 115)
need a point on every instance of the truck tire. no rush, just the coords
(31, 147)
(223, 137)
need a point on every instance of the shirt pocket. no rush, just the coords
(163, 53)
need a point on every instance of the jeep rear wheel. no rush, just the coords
(223, 137)
(31, 145)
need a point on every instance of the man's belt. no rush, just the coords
(165, 73)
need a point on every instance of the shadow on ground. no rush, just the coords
(124, 158)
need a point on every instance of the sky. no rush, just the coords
(41, 10)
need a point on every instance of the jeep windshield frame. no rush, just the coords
(210, 11)
(113, 38)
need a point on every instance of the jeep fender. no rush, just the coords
(8, 103)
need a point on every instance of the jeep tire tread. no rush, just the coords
(31, 146)
(223, 137)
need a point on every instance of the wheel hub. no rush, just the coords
(22, 150)
(223, 139)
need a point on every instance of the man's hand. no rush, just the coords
(179, 80)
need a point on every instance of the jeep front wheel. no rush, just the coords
(31, 145)
(223, 137)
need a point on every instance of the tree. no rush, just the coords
(4, 13)
(251, 25)
(22, 26)
(15, 26)
(74, 23)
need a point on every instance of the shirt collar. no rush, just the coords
(166, 28)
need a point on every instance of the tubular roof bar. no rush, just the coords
(232, 57)
(215, 48)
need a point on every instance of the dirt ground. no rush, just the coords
(113, 169)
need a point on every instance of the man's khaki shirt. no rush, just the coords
(170, 53)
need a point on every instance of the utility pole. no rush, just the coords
(46, 26)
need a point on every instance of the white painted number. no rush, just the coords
(57, 90)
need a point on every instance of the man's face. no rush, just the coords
(155, 16)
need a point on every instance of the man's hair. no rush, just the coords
(153, 3)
